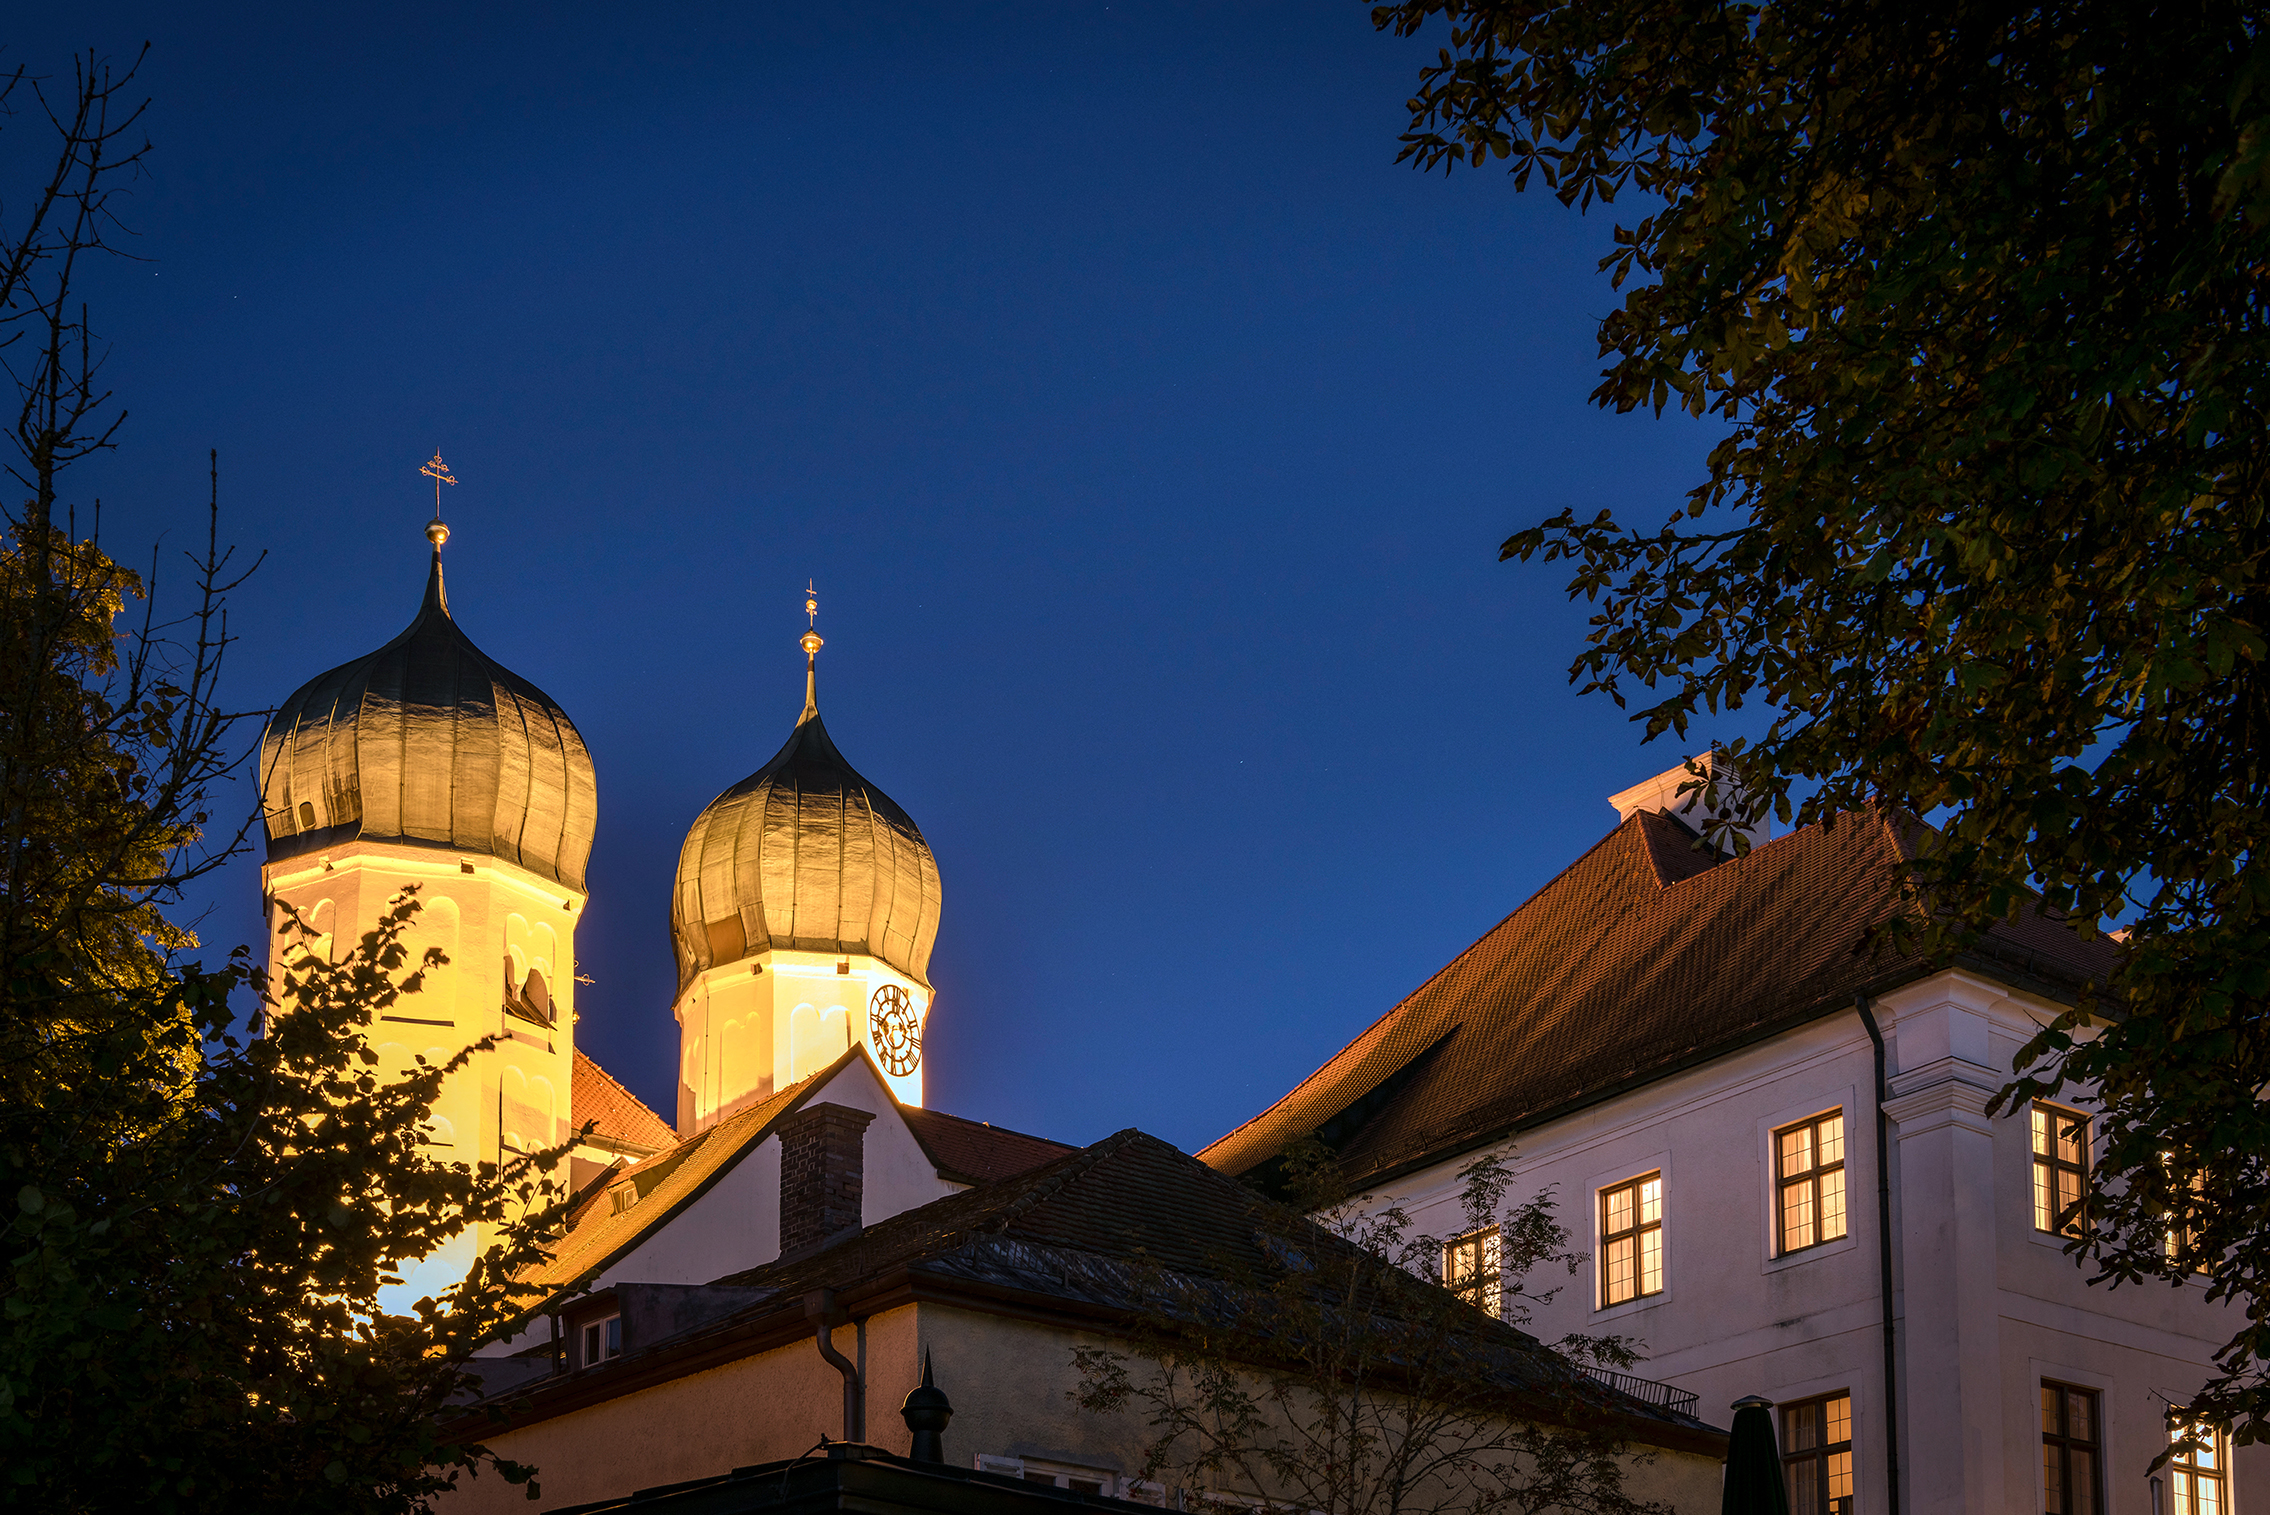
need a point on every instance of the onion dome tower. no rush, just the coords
(427, 763)
(428, 742)
(805, 909)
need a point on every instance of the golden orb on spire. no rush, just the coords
(438, 471)
(811, 643)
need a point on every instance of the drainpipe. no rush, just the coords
(1884, 1261)
(820, 1306)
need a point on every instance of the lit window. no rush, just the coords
(2199, 1471)
(1816, 1455)
(1470, 1269)
(2071, 1444)
(2061, 1168)
(602, 1339)
(2181, 1237)
(1631, 1240)
(1809, 1182)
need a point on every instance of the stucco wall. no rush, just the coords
(1011, 1384)
(760, 1409)
(736, 1224)
(1009, 1381)
(1994, 1306)
(476, 909)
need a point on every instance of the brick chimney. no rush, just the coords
(822, 1177)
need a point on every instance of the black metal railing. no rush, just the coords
(1662, 1395)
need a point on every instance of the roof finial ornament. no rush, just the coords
(812, 644)
(438, 471)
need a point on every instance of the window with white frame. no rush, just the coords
(1470, 1268)
(1816, 1455)
(1631, 1239)
(2199, 1471)
(1808, 1160)
(602, 1339)
(2188, 1191)
(2061, 1168)
(2072, 1450)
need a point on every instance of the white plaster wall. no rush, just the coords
(470, 902)
(762, 996)
(1987, 1307)
(736, 1224)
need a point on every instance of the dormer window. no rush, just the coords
(602, 1339)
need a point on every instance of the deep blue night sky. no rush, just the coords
(1148, 432)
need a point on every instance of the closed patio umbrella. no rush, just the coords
(1753, 1462)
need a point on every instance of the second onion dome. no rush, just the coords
(806, 855)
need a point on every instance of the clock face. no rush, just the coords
(893, 1030)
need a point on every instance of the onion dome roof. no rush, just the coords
(428, 741)
(807, 855)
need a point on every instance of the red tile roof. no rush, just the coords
(1643, 957)
(977, 1152)
(621, 1116)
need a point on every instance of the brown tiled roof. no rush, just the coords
(977, 1152)
(1643, 957)
(1091, 1229)
(620, 1114)
(1125, 1192)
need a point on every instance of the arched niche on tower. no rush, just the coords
(744, 1066)
(816, 1038)
(323, 920)
(526, 1109)
(532, 964)
(436, 924)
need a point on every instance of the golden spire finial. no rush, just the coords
(812, 644)
(438, 471)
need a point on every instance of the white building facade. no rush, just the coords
(1679, 1050)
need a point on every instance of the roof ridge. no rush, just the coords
(990, 1126)
(1048, 1188)
(1393, 1010)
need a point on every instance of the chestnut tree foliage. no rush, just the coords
(1977, 294)
(203, 1182)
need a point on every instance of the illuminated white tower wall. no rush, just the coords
(427, 763)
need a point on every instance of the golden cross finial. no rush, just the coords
(438, 471)
(811, 643)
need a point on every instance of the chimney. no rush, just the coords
(821, 1178)
(1692, 809)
